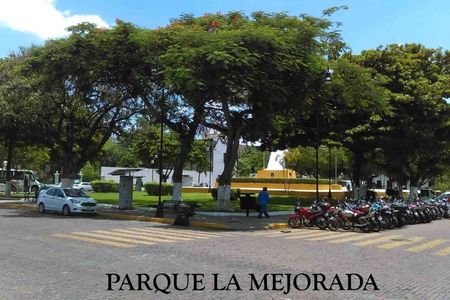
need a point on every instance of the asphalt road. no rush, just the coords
(54, 257)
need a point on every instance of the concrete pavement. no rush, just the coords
(202, 219)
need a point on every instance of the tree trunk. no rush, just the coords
(69, 171)
(223, 197)
(177, 177)
(8, 169)
(224, 190)
(413, 188)
(185, 148)
(176, 192)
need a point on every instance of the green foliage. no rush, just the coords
(86, 82)
(442, 182)
(103, 186)
(91, 171)
(415, 139)
(119, 153)
(152, 188)
(235, 193)
(250, 160)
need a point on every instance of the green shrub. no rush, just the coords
(105, 186)
(235, 193)
(152, 188)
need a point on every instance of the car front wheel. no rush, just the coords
(41, 208)
(66, 210)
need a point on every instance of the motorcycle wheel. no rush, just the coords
(333, 224)
(376, 226)
(295, 222)
(347, 226)
(388, 223)
(367, 227)
(394, 222)
(321, 223)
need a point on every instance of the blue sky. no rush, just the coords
(366, 24)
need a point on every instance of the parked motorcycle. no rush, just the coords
(312, 216)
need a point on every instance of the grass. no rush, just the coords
(205, 200)
(18, 195)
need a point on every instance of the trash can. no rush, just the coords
(247, 202)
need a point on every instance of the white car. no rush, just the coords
(444, 196)
(85, 186)
(66, 200)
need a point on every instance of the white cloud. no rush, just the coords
(41, 18)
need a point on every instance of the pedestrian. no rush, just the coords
(263, 200)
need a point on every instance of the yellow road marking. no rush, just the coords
(429, 245)
(91, 240)
(107, 237)
(401, 243)
(133, 236)
(309, 235)
(140, 233)
(196, 232)
(329, 237)
(181, 232)
(443, 252)
(374, 241)
(360, 236)
(273, 234)
(168, 233)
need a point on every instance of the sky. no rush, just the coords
(366, 24)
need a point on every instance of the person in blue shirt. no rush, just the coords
(263, 199)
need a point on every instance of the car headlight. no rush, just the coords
(75, 201)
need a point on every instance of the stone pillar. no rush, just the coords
(126, 192)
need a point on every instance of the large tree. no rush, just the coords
(86, 83)
(260, 68)
(358, 107)
(19, 111)
(416, 140)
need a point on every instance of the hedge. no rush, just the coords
(152, 188)
(278, 180)
(235, 193)
(105, 186)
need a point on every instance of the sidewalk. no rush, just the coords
(202, 219)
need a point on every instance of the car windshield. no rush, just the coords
(74, 193)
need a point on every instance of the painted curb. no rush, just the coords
(160, 220)
(18, 205)
(277, 226)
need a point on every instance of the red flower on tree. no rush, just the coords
(214, 24)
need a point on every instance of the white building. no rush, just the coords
(190, 177)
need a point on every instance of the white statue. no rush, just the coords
(276, 160)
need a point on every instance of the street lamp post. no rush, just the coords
(153, 166)
(329, 174)
(328, 74)
(211, 148)
(159, 209)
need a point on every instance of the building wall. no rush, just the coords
(149, 175)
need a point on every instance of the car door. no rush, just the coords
(60, 199)
(48, 199)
